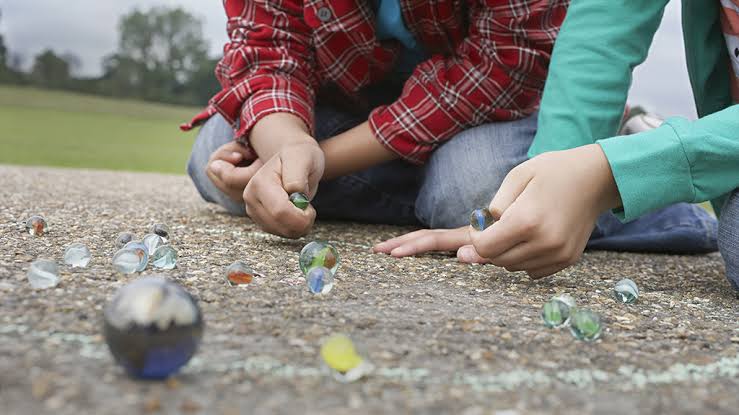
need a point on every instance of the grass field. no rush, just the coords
(51, 128)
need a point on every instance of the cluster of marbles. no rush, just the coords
(153, 327)
(561, 311)
(481, 219)
(135, 255)
(319, 262)
(300, 200)
(340, 355)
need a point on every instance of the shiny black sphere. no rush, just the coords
(153, 327)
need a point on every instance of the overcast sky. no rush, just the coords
(87, 28)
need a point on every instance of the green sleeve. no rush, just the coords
(600, 43)
(681, 161)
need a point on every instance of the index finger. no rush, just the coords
(281, 213)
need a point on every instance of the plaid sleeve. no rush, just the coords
(267, 66)
(497, 73)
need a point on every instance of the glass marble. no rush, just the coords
(43, 273)
(626, 291)
(77, 255)
(340, 355)
(141, 251)
(36, 226)
(300, 200)
(152, 327)
(161, 230)
(555, 313)
(481, 219)
(126, 261)
(124, 238)
(165, 257)
(152, 241)
(239, 273)
(585, 324)
(320, 280)
(319, 254)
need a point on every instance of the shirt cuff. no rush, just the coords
(284, 97)
(395, 135)
(651, 170)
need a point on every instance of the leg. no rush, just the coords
(728, 238)
(215, 133)
(465, 172)
(381, 194)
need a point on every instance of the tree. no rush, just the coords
(50, 70)
(159, 52)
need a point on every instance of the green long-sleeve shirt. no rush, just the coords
(599, 45)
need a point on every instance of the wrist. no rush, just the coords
(276, 131)
(607, 189)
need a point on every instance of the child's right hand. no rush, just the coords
(296, 167)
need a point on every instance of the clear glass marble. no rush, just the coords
(77, 255)
(165, 257)
(340, 355)
(239, 273)
(585, 324)
(161, 230)
(36, 226)
(481, 218)
(43, 273)
(319, 254)
(152, 241)
(141, 251)
(300, 200)
(152, 327)
(126, 261)
(320, 280)
(124, 238)
(626, 291)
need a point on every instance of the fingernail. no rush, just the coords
(399, 251)
(465, 253)
(215, 166)
(235, 155)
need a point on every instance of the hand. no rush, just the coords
(547, 208)
(226, 172)
(425, 240)
(295, 168)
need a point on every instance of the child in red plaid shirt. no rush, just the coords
(405, 111)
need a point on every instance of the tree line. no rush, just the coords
(161, 56)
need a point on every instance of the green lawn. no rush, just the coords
(51, 128)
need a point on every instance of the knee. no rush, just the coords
(464, 173)
(728, 238)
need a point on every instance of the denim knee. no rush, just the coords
(214, 133)
(728, 238)
(465, 172)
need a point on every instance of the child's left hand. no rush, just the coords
(430, 240)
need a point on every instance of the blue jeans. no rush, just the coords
(728, 238)
(462, 174)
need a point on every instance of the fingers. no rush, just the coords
(468, 255)
(295, 172)
(513, 184)
(546, 271)
(501, 236)
(268, 205)
(387, 246)
(232, 152)
(432, 240)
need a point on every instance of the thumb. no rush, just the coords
(513, 185)
(295, 172)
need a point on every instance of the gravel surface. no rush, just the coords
(444, 337)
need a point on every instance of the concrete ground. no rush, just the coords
(445, 337)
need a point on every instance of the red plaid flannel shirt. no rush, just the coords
(489, 62)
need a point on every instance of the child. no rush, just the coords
(681, 161)
(402, 109)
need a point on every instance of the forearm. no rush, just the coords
(352, 151)
(277, 130)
